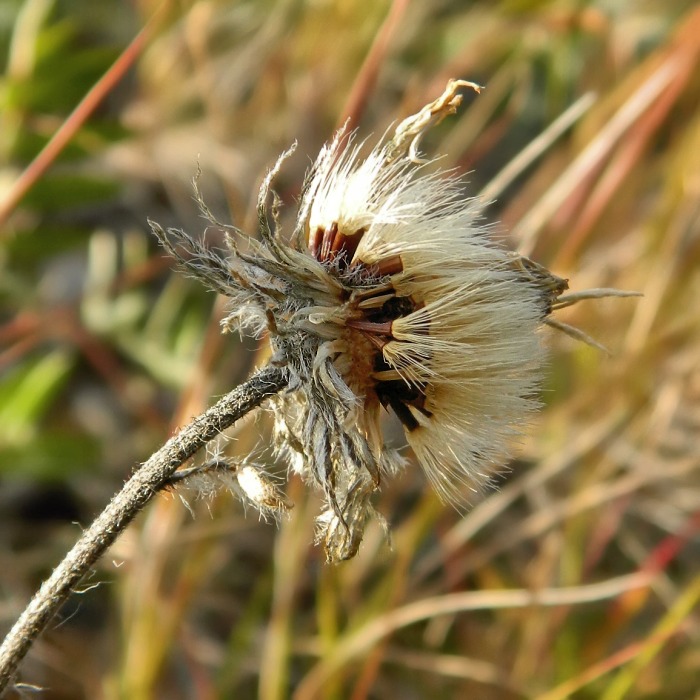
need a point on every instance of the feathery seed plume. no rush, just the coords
(390, 295)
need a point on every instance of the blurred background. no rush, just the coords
(586, 138)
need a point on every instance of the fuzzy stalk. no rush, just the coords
(133, 497)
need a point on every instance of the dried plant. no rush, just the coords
(391, 293)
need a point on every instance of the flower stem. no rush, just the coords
(136, 493)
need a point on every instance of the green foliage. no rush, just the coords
(26, 394)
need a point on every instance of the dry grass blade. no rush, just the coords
(364, 638)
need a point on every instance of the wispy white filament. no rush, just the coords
(472, 342)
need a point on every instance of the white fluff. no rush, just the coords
(473, 345)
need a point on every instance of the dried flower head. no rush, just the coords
(389, 294)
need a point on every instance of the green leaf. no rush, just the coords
(50, 456)
(27, 393)
(57, 192)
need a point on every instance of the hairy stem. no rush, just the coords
(137, 492)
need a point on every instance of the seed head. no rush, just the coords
(389, 295)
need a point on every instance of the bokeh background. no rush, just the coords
(104, 349)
